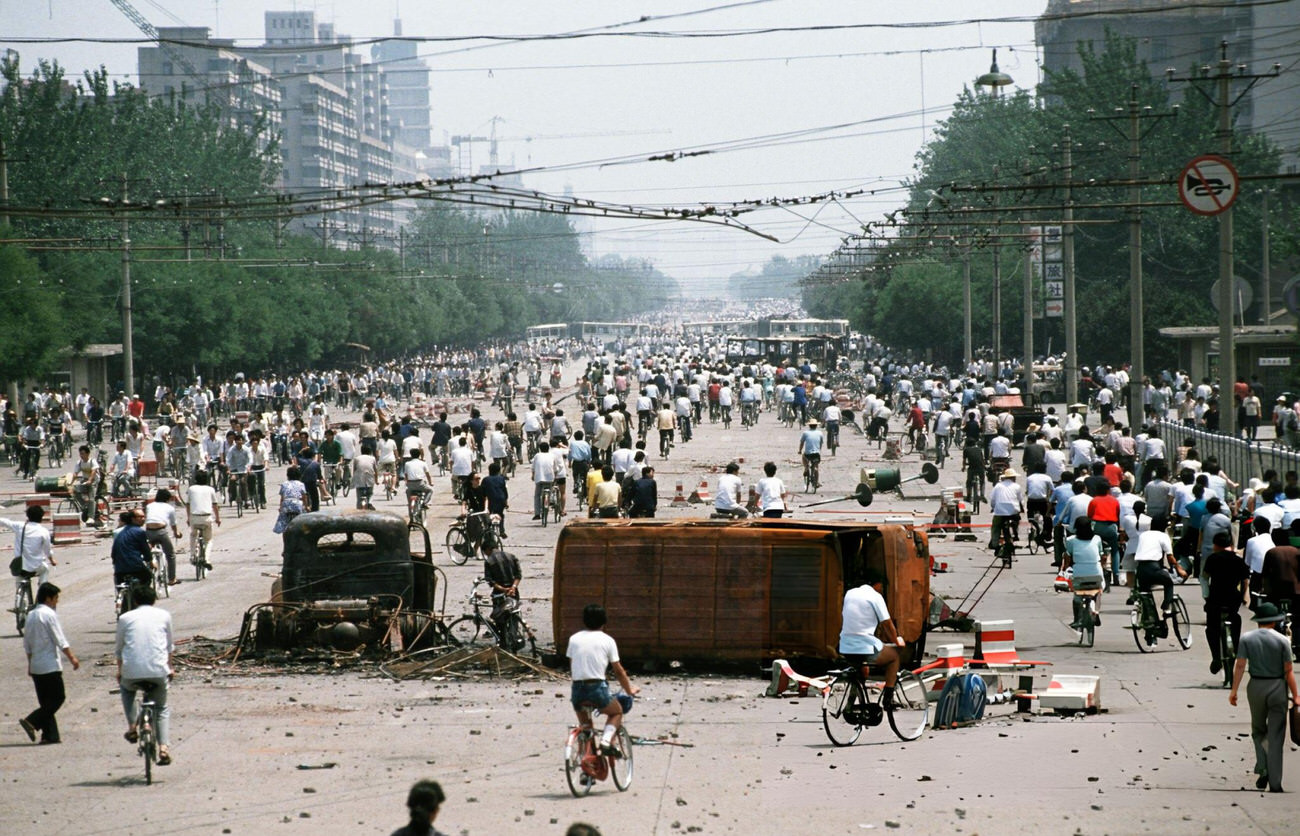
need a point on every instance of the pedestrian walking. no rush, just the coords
(43, 640)
(1268, 654)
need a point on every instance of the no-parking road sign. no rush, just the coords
(1208, 185)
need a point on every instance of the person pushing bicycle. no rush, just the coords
(591, 652)
(866, 615)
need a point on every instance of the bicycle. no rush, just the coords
(177, 466)
(237, 492)
(417, 503)
(158, 560)
(811, 474)
(913, 442)
(344, 477)
(1149, 624)
(940, 449)
(974, 488)
(30, 463)
(23, 600)
(749, 414)
(833, 437)
(550, 503)
(146, 729)
(1006, 545)
(585, 764)
(1036, 541)
(331, 480)
(54, 451)
(512, 633)
(461, 546)
(124, 595)
(848, 706)
(1227, 647)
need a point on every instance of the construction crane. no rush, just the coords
(148, 29)
(493, 140)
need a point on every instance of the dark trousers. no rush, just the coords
(313, 496)
(50, 696)
(1213, 629)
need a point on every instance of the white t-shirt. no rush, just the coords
(200, 499)
(729, 487)
(160, 512)
(770, 489)
(414, 470)
(144, 643)
(544, 471)
(1153, 546)
(864, 610)
(387, 451)
(590, 653)
(462, 461)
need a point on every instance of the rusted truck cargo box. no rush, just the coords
(731, 592)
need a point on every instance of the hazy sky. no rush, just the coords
(681, 92)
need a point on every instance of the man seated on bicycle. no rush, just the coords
(1082, 552)
(203, 509)
(131, 557)
(879, 426)
(810, 445)
(239, 462)
(501, 570)
(32, 544)
(1007, 503)
(1154, 552)
(999, 451)
(915, 421)
(864, 616)
(832, 415)
(121, 470)
(462, 464)
(143, 649)
(160, 518)
(1225, 575)
(591, 652)
(416, 473)
(85, 479)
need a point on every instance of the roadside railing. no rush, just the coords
(1240, 459)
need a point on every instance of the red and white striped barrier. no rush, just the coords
(995, 646)
(784, 678)
(951, 661)
(702, 493)
(38, 500)
(679, 498)
(67, 529)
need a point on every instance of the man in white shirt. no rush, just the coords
(1007, 503)
(543, 476)
(159, 527)
(592, 652)
(727, 498)
(462, 465)
(143, 649)
(32, 543)
(1154, 551)
(864, 615)
(416, 473)
(202, 509)
(43, 641)
(771, 492)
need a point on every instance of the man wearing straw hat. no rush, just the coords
(1268, 653)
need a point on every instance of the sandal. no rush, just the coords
(132, 736)
(164, 756)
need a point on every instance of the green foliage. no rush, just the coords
(1020, 137)
(257, 301)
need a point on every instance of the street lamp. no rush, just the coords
(995, 80)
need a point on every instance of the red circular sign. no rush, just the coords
(1208, 185)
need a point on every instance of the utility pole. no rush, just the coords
(968, 349)
(1028, 360)
(1223, 102)
(128, 347)
(997, 288)
(1067, 267)
(1134, 115)
(4, 184)
(1265, 266)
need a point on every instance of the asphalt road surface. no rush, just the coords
(265, 750)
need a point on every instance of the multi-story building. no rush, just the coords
(1185, 35)
(332, 110)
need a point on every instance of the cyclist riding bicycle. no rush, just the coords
(831, 415)
(810, 445)
(1154, 552)
(591, 652)
(130, 554)
(416, 473)
(501, 569)
(865, 615)
(143, 649)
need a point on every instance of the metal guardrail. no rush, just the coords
(1240, 459)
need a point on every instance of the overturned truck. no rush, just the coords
(728, 593)
(351, 580)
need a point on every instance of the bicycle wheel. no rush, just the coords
(905, 444)
(148, 748)
(910, 712)
(555, 508)
(459, 547)
(546, 509)
(579, 742)
(1035, 533)
(22, 605)
(843, 697)
(621, 767)
(1139, 629)
(1227, 652)
(1182, 624)
(199, 558)
(1088, 634)
(238, 494)
(468, 630)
